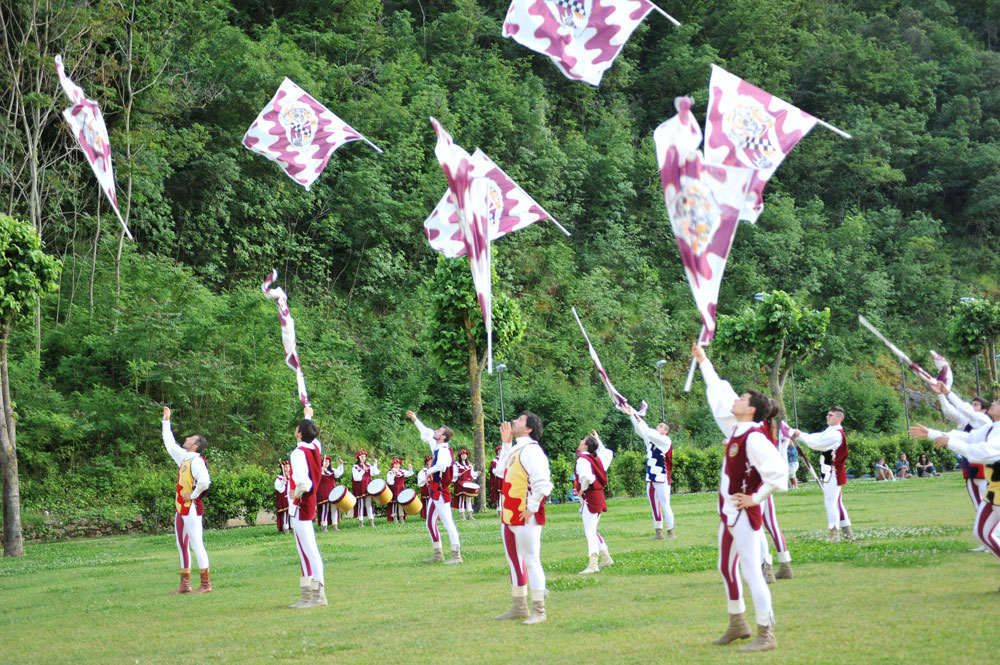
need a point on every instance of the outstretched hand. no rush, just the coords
(698, 352)
(307, 412)
(166, 413)
(506, 432)
(941, 442)
(918, 431)
(411, 415)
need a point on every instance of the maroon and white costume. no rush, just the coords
(302, 488)
(192, 476)
(981, 446)
(362, 474)
(591, 478)
(967, 418)
(395, 479)
(496, 482)
(281, 502)
(464, 473)
(659, 464)
(423, 480)
(832, 443)
(771, 517)
(751, 465)
(438, 483)
(327, 513)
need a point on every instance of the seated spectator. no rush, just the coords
(793, 466)
(903, 467)
(882, 471)
(925, 467)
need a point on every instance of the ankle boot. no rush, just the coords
(317, 595)
(765, 640)
(371, 521)
(671, 535)
(304, 583)
(518, 610)
(738, 629)
(438, 556)
(847, 533)
(206, 584)
(833, 536)
(784, 571)
(768, 571)
(606, 559)
(591, 566)
(537, 613)
(456, 556)
(658, 535)
(185, 586)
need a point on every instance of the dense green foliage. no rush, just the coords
(897, 223)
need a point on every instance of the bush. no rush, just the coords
(696, 469)
(238, 495)
(869, 406)
(628, 474)
(562, 469)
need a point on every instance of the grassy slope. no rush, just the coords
(912, 581)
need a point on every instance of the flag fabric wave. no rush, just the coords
(750, 128)
(299, 134)
(287, 332)
(582, 37)
(87, 122)
(616, 397)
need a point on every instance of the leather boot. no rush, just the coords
(185, 586)
(765, 640)
(659, 534)
(537, 613)
(306, 594)
(606, 559)
(317, 594)
(784, 571)
(591, 566)
(671, 535)
(847, 533)
(456, 556)
(738, 629)
(438, 556)
(768, 571)
(206, 584)
(371, 522)
(833, 536)
(472, 516)
(518, 610)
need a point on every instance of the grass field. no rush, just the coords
(910, 591)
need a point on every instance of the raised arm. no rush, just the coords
(169, 442)
(719, 393)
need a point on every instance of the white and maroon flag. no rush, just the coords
(703, 202)
(509, 208)
(582, 37)
(287, 332)
(944, 374)
(750, 128)
(475, 203)
(85, 119)
(616, 397)
(299, 133)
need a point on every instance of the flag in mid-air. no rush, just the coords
(287, 332)
(299, 133)
(616, 397)
(509, 208)
(85, 119)
(582, 37)
(944, 374)
(703, 202)
(750, 128)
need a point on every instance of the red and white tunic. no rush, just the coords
(592, 477)
(304, 483)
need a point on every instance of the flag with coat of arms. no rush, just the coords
(582, 37)
(299, 134)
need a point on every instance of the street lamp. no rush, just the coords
(906, 404)
(500, 368)
(659, 373)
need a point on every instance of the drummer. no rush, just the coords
(395, 478)
(327, 513)
(465, 475)
(425, 490)
(361, 474)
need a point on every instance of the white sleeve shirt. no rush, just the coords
(584, 473)
(980, 446)
(199, 471)
(300, 470)
(649, 434)
(721, 397)
(770, 464)
(536, 465)
(828, 439)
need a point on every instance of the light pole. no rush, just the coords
(906, 405)
(500, 368)
(659, 374)
(795, 406)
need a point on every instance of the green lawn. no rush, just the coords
(911, 591)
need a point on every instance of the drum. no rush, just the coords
(468, 489)
(341, 497)
(411, 503)
(380, 491)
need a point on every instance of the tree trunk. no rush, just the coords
(478, 420)
(12, 543)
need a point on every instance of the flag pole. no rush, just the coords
(690, 377)
(668, 16)
(382, 151)
(124, 226)
(558, 225)
(834, 129)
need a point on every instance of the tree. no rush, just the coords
(25, 273)
(975, 327)
(779, 332)
(456, 337)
